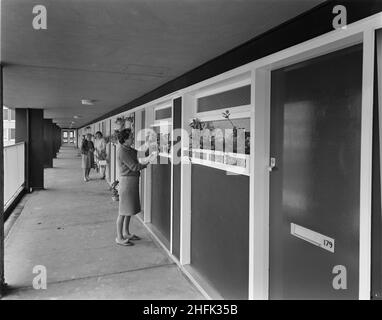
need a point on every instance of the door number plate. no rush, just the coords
(313, 237)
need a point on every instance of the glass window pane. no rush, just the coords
(224, 141)
(227, 135)
(227, 99)
(163, 113)
(13, 115)
(5, 114)
(13, 134)
(163, 135)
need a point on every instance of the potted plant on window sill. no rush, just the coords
(122, 123)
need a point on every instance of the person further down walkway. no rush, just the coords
(69, 229)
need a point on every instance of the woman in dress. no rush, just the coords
(87, 152)
(100, 153)
(129, 171)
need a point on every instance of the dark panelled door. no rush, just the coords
(161, 199)
(315, 184)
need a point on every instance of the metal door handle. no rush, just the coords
(272, 164)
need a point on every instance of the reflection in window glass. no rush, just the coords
(224, 141)
(163, 136)
(13, 134)
(5, 114)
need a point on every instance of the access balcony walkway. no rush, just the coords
(70, 229)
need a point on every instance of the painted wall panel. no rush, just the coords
(161, 199)
(219, 229)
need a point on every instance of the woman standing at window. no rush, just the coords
(129, 202)
(87, 152)
(100, 153)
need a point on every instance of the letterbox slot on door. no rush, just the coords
(312, 237)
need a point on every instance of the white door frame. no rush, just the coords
(149, 114)
(188, 106)
(359, 32)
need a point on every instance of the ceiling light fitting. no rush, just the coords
(87, 102)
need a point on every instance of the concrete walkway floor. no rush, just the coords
(69, 228)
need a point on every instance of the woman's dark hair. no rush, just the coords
(100, 133)
(124, 135)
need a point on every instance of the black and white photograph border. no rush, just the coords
(183, 150)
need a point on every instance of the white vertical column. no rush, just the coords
(259, 187)
(1, 185)
(147, 185)
(379, 79)
(137, 144)
(379, 75)
(366, 166)
(188, 107)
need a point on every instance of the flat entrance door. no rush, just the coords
(315, 182)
